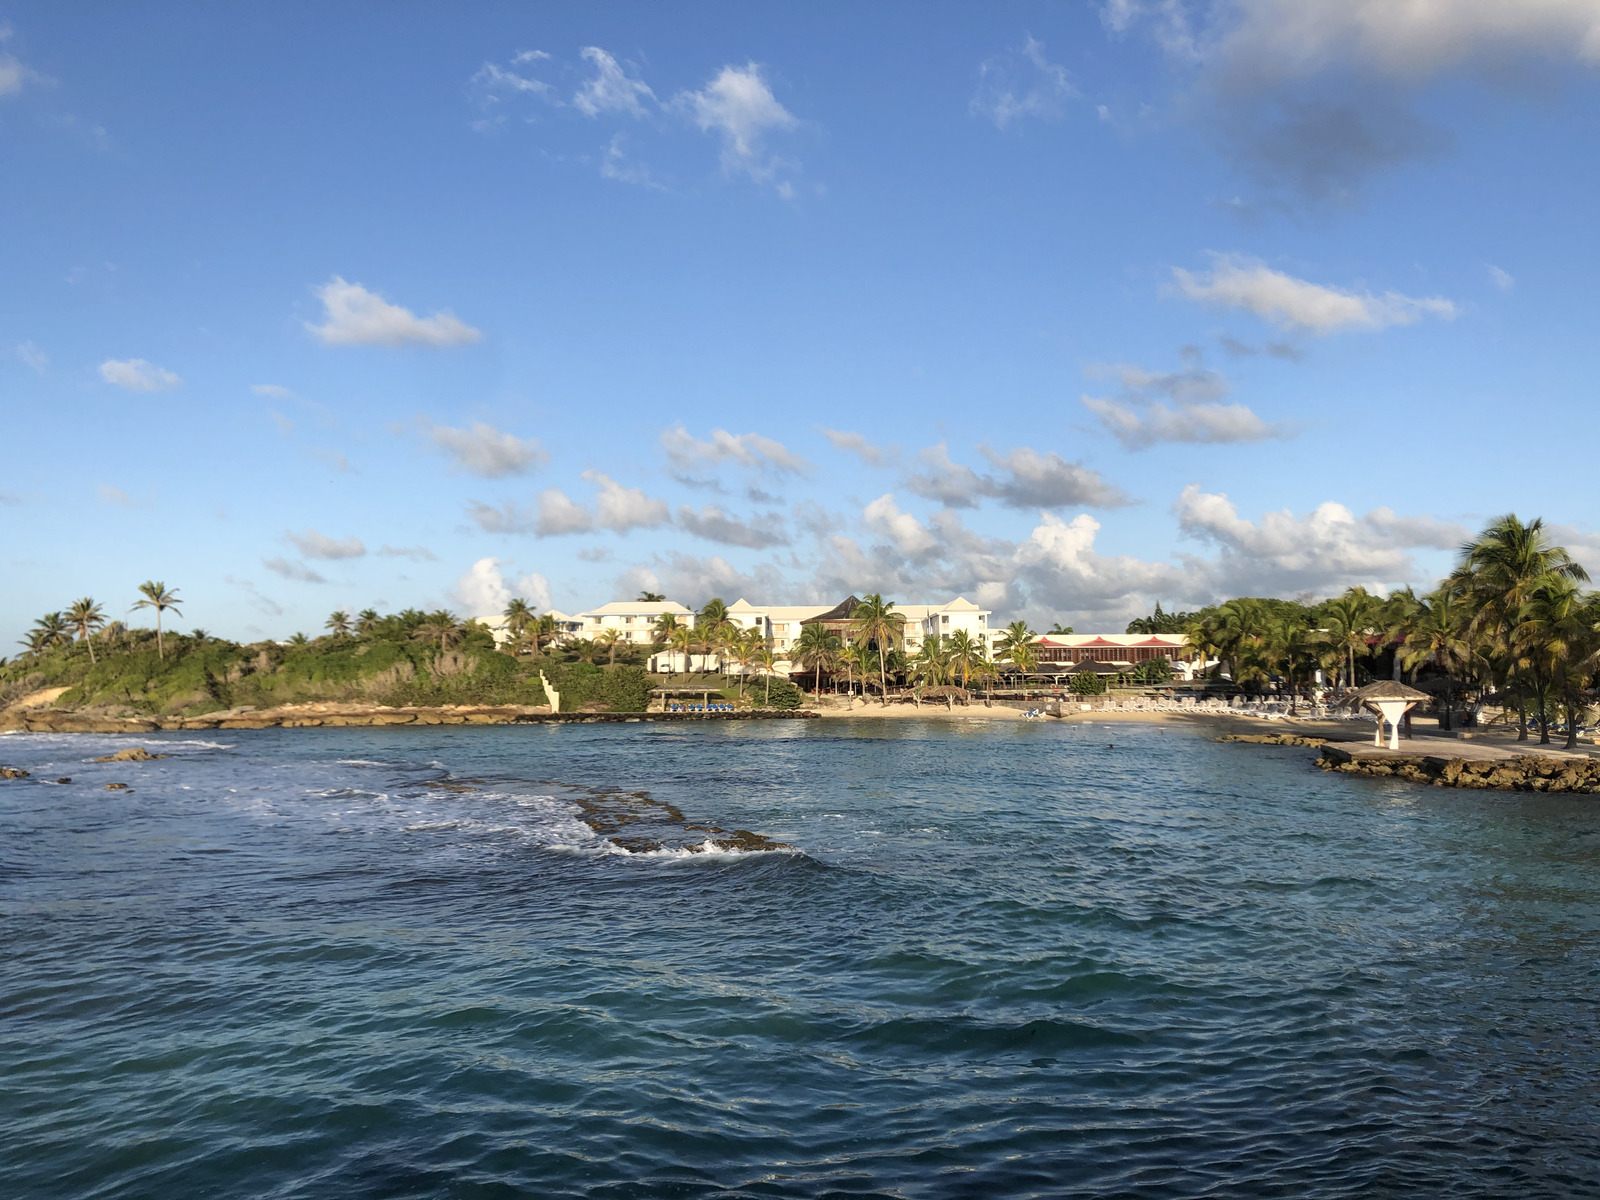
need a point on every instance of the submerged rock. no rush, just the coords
(12, 773)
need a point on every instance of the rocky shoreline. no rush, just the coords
(1518, 773)
(312, 716)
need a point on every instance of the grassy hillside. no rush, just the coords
(204, 675)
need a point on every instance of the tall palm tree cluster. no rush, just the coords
(1510, 622)
(84, 621)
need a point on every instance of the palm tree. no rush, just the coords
(1203, 644)
(1348, 621)
(682, 640)
(441, 626)
(661, 628)
(746, 647)
(544, 630)
(651, 598)
(52, 629)
(709, 625)
(367, 620)
(1499, 572)
(518, 613)
(817, 650)
(338, 623)
(1058, 627)
(964, 653)
(299, 639)
(608, 641)
(1438, 636)
(874, 620)
(86, 617)
(1016, 646)
(932, 663)
(768, 660)
(157, 596)
(857, 660)
(587, 649)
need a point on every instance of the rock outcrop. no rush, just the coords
(1524, 773)
(1274, 739)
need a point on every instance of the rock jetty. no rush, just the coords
(1520, 773)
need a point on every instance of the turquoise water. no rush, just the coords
(1024, 960)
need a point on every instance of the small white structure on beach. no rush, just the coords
(1391, 700)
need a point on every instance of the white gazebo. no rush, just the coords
(1391, 700)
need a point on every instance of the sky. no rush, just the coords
(1068, 308)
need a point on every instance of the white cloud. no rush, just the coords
(1026, 84)
(855, 443)
(558, 514)
(1502, 279)
(1328, 549)
(508, 518)
(686, 452)
(1030, 479)
(1238, 282)
(481, 591)
(693, 581)
(485, 451)
(113, 495)
(137, 375)
(1139, 420)
(610, 89)
(1138, 427)
(273, 390)
(415, 553)
(33, 357)
(910, 537)
(622, 508)
(492, 81)
(738, 106)
(616, 164)
(358, 317)
(298, 572)
(535, 589)
(1027, 479)
(715, 525)
(315, 545)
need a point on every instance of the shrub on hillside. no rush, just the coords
(1087, 683)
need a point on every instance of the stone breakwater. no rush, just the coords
(1522, 773)
(312, 716)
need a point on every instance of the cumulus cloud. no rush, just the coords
(855, 443)
(739, 107)
(1284, 350)
(1315, 95)
(693, 580)
(621, 508)
(560, 514)
(1022, 84)
(355, 316)
(610, 89)
(715, 525)
(137, 375)
(295, 571)
(1027, 479)
(1328, 549)
(910, 536)
(508, 518)
(686, 452)
(312, 544)
(481, 590)
(485, 451)
(1235, 281)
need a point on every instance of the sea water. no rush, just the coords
(990, 961)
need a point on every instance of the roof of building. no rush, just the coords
(1385, 689)
(783, 612)
(637, 608)
(839, 612)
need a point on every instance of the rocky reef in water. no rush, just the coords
(1523, 773)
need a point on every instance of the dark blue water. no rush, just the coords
(1007, 961)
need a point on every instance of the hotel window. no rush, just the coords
(944, 620)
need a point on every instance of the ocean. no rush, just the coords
(786, 959)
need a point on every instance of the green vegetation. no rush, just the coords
(1087, 683)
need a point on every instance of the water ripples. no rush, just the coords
(1006, 962)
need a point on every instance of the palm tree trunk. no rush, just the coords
(161, 649)
(1522, 719)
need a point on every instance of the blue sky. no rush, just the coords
(1066, 307)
